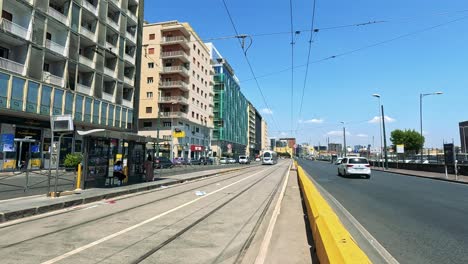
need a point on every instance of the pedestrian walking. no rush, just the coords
(149, 170)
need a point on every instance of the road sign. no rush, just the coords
(449, 154)
(400, 148)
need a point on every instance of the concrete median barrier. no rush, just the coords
(333, 242)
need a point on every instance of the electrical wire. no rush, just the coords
(249, 64)
(308, 60)
(362, 48)
(292, 63)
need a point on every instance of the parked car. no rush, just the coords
(231, 160)
(163, 162)
(179, 161)
(257, 159)
(354, 166)
(223, 160)
(244, 160)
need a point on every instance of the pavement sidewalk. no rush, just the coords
(291, 239)
(426, 174)
(32, 205)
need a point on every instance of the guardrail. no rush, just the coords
(333, 242)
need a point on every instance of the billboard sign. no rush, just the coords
(449, 154)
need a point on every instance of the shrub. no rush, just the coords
(72, 160)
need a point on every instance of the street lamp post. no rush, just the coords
(421, 96)
(345, 149)
(380, 124)
(384, 138)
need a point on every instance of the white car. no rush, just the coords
(223, 160)
(244, 160)
(338, 161)
(354, 166)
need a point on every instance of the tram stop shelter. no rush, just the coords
(103, 148)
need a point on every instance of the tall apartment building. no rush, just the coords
(251, 130)
(176, 89)
(67, 57)
(230, 109)
(265, 141)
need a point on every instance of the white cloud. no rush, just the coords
(377, 119)
(337, 133)
(267, 111)
(362, 135)
(283, 134)
(313, 121)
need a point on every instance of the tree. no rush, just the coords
(412, 140)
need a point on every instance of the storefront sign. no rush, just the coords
(178, 133)
(7, 142)
(196, 148)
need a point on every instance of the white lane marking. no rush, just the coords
(97, 242)
(371, 239)
(260, 259)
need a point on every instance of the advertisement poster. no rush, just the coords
(7, 142)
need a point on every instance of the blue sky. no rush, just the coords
(340, 89)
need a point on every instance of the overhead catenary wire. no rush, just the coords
(362, 48)
(249, 64)
(292, 62)
(308, 60)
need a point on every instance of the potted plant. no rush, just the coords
(72, 160)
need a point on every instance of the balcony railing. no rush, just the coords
(58, 15)
(113, 24)
(90, 7)
(174, 69)
(87, 33)
(86, 61)
(173, 99)
(173, 84)
(130, 58)
(15, 29)
(52, 79)
(109, 72)
(111, 47)
(127, 103)
(169, 40)
(131, 37)
(108, 97)
(55, 47)
(128, 80)
(174, 54)
(82, 88)
(173, 114)
(13, 66)
(132, 16)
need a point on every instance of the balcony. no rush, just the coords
(86, 61)
(109, 72)
(15, 29)
(132, 16)
(90, 35)
(176, 69)
(175, 40)
(173, 99)
(127, 103)
(131, 37)
(179, 54)
(173, 114)
(111, 47)
(90, 7)
(173, 84)
(128, 81)
(55, 47)
(52, 79)
(113, 24)
(130, 58)
(108, 97)
(13, 66)
(57, 15)
(84, 89)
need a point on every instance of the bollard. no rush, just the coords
(78, 178)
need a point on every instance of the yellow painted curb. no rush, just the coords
(334, 244)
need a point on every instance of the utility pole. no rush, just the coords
(384, 138)
(345, 149)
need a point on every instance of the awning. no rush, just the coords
(119, 135)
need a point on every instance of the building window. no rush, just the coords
(152, 36)
(147, 124)
(149, 94)
(194, 60)
(150, 65)
(193, 100)
(201, 92)
(167, 124)
(199, 52)
(197, 129)
(193, 73)
(149, 110)
(198, 115)
(194, 47)
(149, 80)
(167, 137)
(198, 90)
(151, 51)
(193, 114)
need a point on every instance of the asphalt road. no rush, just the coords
(417, 220)
(215, 220)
